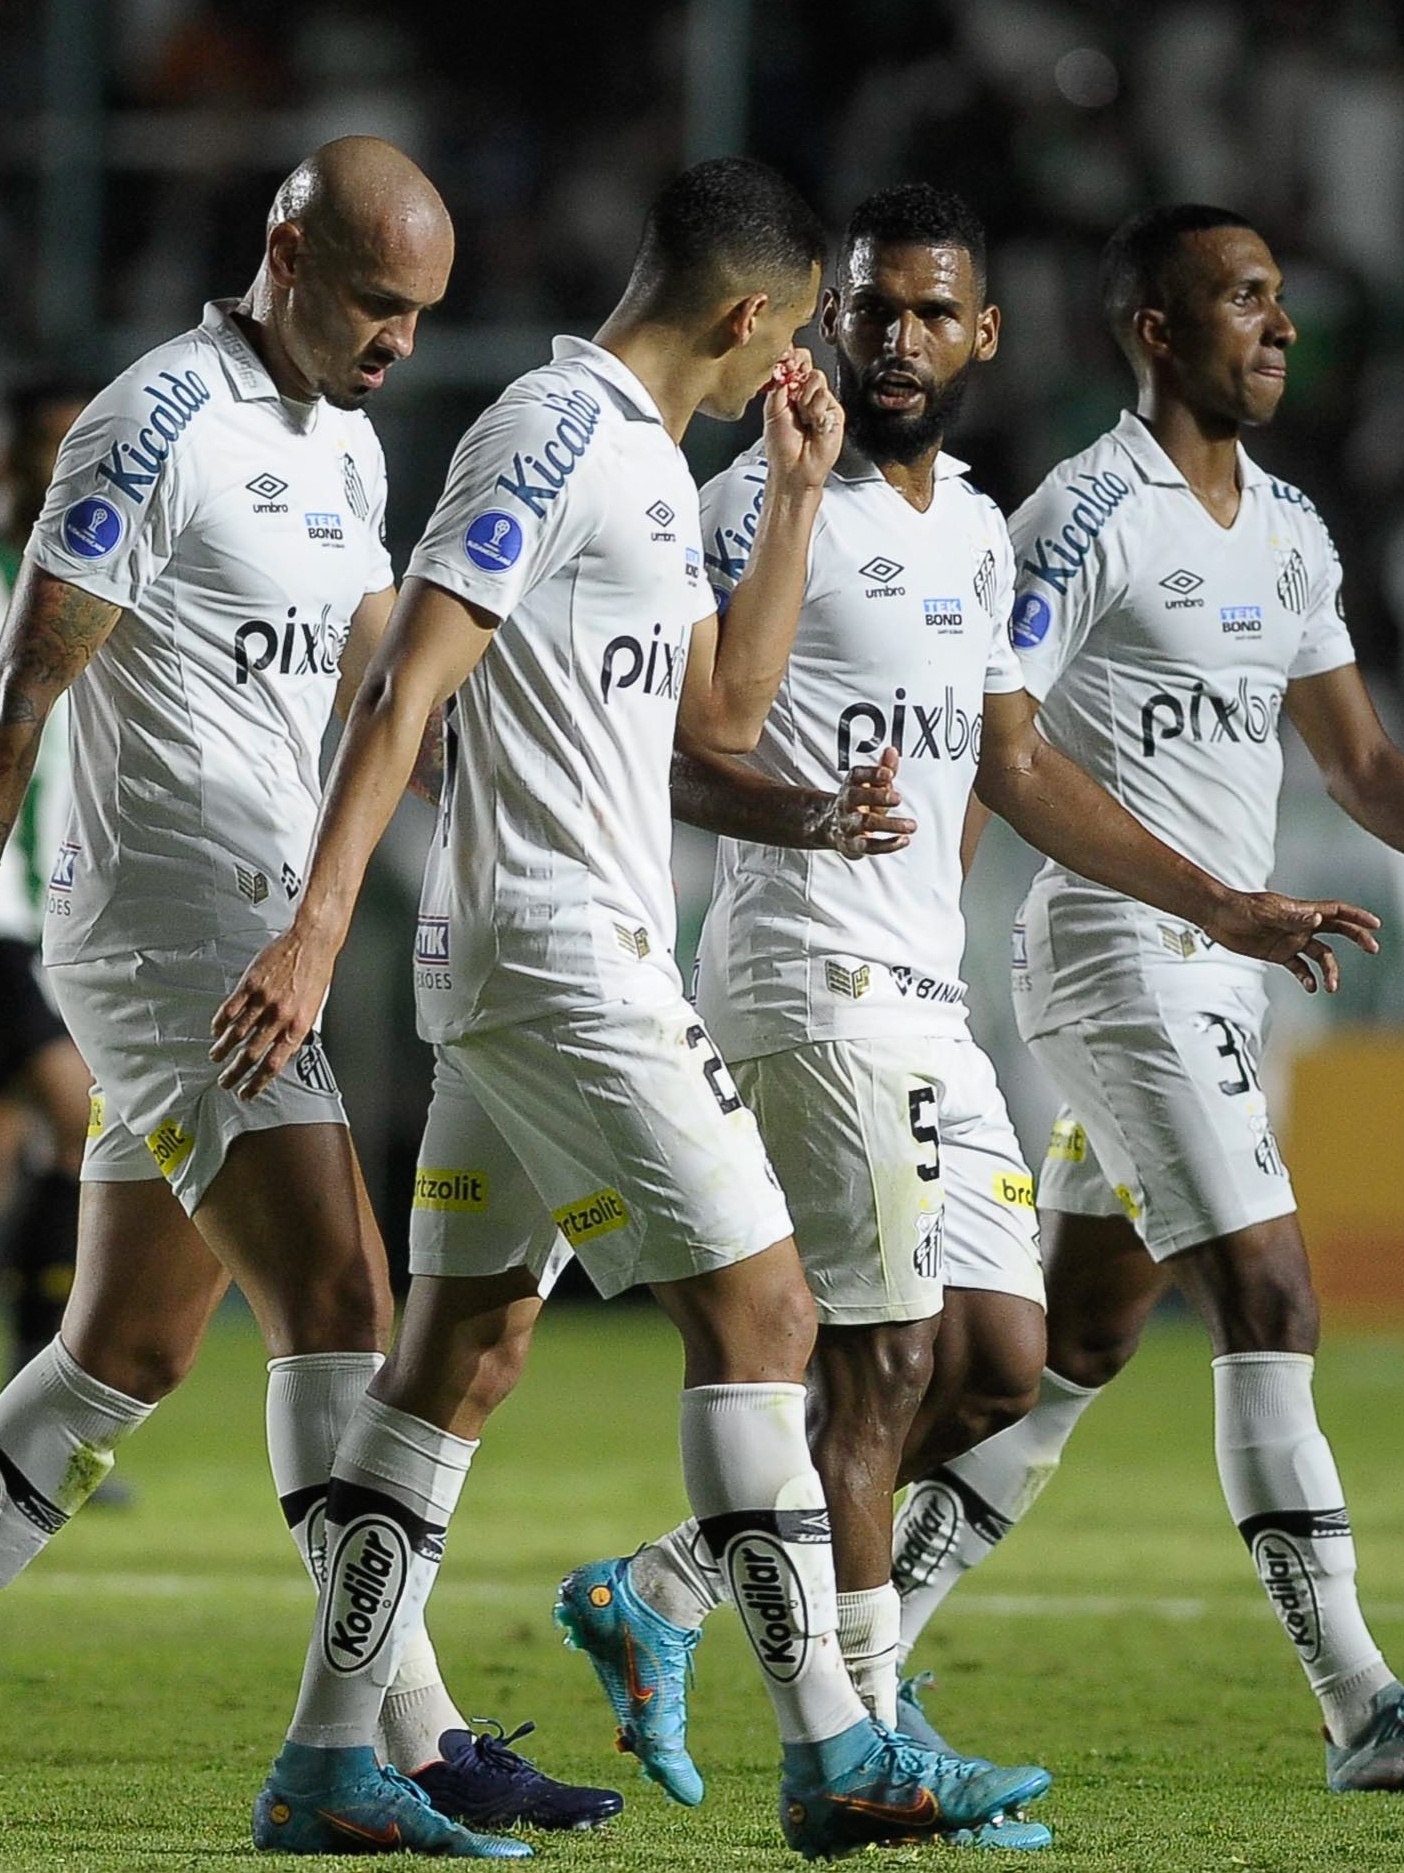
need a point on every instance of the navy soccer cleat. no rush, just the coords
(481, 1781)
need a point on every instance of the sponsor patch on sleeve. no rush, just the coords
(1029, 621)
(92, 528)
(493, 541)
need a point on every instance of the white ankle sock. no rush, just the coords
(311, 1397)
(58, 1429)
(759, 1503)
(1280, 1482)
(395, 1484)
(677, 1576)
(869, 1623)
(951, 1521)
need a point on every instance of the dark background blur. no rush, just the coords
(141, 142)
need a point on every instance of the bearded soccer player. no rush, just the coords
(834, 992)
(1173, 600)
(558, 598)
(208, 574)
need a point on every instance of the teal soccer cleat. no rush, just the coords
(644, 1663)
(913, 1722)
(892, 1791)
(338, 1801)
(1375, 1760)
(1004, 1836)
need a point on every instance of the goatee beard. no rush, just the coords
(892, 435)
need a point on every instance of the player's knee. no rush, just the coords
(899, 1368)
(1273, 1311)
(145, 1368)
(1091, 1354)
(342, 1309)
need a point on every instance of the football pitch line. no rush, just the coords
(57, 1584)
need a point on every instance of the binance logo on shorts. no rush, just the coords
(170, 1145)
(850, 982)
(97, 1114)
(597, 1215)
(1068, 1142)
(455, 1193)
(1014, 1188)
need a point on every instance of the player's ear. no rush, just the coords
(987, 334)
(1151, 329)
(741, 321)
(829, 315)
(285, 244)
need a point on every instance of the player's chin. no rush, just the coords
(347, 396)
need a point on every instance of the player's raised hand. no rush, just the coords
(1288, 930)
(862, 822)
(803, 421)
(269, 1014)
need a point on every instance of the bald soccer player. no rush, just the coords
(208, 577)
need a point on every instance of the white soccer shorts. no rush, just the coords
(637, 1149)
(902, 1171)
(1165, 1119)
(142, 1024)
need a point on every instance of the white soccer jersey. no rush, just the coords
(902, 633)
(1161, 645)
(239, 532)
(570, 514)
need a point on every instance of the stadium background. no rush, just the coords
(140, 141)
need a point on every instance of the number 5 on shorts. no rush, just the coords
(918, 1099)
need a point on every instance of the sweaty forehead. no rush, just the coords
(1217, 259)
(911, 270)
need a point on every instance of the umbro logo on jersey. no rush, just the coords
(268, 487)
(1182, 583)
(882, 571)
(662, 517)
(134, 466)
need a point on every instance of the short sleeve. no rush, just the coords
(123, 487)
(380, 573)
(1325, 642)
(730, 507)
(1003, 674)
(525, 494)
(1056, 599)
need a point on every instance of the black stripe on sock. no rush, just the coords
(346, 1501)
(298, 1504)
(804, 1527)
(1308, 1524)
(28, 1500)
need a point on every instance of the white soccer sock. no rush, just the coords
(395, 1484)
(760, 1505)
(869, 1624)
(58, 1429)
(951, 1521)
(1280, 1482)
(677, 1576)
(311, 1397)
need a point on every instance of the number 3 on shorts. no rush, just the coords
(722, 1085)
(918, 1099)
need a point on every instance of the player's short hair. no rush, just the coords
(915, 214)
(728, 226)
(1139, 262)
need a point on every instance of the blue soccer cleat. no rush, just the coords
(483, 1782)
(1004, 1835)
(338, 1801)
(913, 1722)
(1375, 1760)
(644, 1663)
(893, 1791)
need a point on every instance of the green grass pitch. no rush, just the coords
(149, 1660)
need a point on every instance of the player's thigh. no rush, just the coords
(991, 1224)
(142, 1024)
(55, 1080)
(638, 1144)
(1171, 1102)
(852, 1130)
(144, 1288)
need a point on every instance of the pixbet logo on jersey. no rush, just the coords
(661, 670)
(1165, 717)
(935, 730)
(297, 647)
(132, 467)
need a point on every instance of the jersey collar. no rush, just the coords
(248, 376)
(1155, 466)
(853, 466)
(614, 371)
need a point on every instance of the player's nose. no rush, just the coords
(904, 335)
(397, 334)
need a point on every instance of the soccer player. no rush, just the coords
(1173, 600)
(40, 1068)
(558, 598)
(834, 991)
(208, 574)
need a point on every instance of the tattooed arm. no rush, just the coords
(51, 631)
